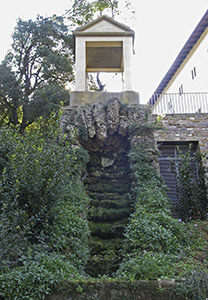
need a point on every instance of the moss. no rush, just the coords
(109, 214)
(107, 188)
(108, 230)
(104, 258)
(124, 168)
(109, 196)
(95, 159)
(121, 202)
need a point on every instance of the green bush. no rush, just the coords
(69, 232)
(190, 186)
(43, 211)
(148, 266)
(36, 276)
(195, 285)
(154, 240)
(154, 232)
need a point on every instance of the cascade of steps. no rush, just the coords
(108, 184)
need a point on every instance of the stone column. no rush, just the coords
(127, 54)
(80, 72)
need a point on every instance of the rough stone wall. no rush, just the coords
(136, 290)
(184, 127)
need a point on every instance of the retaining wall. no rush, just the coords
(136, 290)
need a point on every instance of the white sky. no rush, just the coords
(162, 27)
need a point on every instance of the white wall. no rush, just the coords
(199, 61)
(104, 26)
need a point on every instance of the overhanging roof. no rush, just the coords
(186, 50)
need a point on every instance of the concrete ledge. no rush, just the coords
(82, 98)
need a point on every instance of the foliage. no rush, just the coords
(34, 73)
(148, 266)
(144, 170)
(154, 232)
(195, 285)
(154, 239)
(83, 11)
(36, 276)
(43, 211)
(190, 186)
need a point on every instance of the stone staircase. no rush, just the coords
(108, 184)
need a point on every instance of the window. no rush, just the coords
(170, 151)
(193, 73)
(181, 89)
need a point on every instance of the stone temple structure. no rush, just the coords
(103, 45)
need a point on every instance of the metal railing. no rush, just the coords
(186, 103)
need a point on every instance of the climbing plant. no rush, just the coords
(189, 173)
(155, 241)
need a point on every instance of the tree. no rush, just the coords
(83, 11)
(34, 73)
(191, 187)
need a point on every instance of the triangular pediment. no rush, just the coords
(104, 24)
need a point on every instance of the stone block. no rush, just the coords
(82, 98)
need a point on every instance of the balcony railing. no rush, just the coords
(186, 103)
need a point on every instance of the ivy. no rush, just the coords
(190, 186)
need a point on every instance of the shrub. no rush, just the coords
(190, 186)
(154, 240)
(43, 212)
(148, 266)
(195, 285)
(37, 275)
(154, 232)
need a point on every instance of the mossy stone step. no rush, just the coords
(98, 245)
(100, 265)
(107, 181)
(104, 258)
(109, 196)
(108, 230)
(114, 232)
(107, 178)
(108, 214)
(112, 170)
(110, 203)
(108, 184)
(116, 173)
(108, 188)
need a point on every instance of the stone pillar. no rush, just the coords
(80, 73)
(127, 54)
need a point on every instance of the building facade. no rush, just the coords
(184, 88)
(181, 101)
